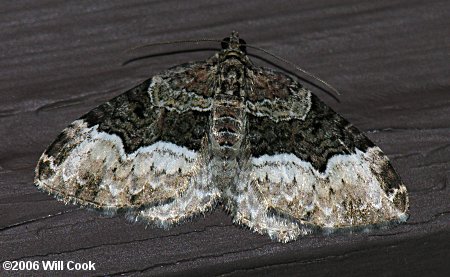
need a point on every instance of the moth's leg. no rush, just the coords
(250, 208)
(193, 201)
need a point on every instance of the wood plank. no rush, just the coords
(389, 59)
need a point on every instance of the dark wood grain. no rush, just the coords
(390, 60)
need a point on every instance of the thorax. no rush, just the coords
(228, 116)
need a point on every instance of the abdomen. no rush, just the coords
(227, 125)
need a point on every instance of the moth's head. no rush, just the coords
(233, 62)
(233, 45)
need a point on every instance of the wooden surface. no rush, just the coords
(389, 59)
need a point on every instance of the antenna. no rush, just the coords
(196, 41)
(296, 67)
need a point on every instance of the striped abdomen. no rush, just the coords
(228, 123)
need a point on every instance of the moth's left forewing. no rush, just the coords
(317, 168)
(133, 151)
(184, 87)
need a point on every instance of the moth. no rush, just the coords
(224, 131)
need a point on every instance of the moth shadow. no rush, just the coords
(131, 215)
(329, 231)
